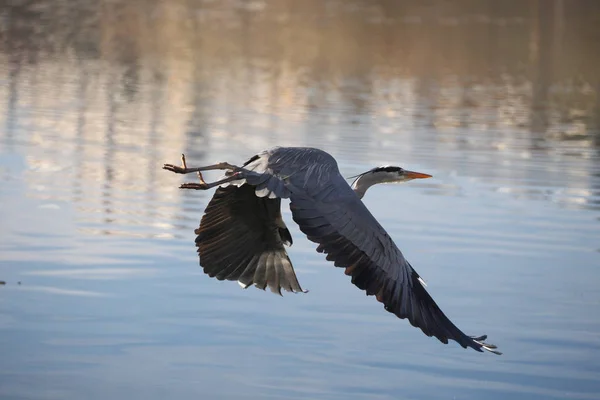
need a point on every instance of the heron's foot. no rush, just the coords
(183, 169)
(178, 170)
(175, 168)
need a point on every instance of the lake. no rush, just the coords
(103, 296)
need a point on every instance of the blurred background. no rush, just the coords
(103, 295)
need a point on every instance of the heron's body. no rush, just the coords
(242, 235)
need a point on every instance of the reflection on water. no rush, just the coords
(498, 100)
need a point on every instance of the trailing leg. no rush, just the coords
(205, 186)
(185, 170)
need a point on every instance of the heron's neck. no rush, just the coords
(364, 182)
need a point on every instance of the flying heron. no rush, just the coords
(242, 234)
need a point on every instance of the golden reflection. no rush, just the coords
(93, 88)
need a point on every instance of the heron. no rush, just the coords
(242, 235)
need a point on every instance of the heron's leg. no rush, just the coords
(185, 170)
(205, 186)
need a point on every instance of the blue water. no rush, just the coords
(103, 295)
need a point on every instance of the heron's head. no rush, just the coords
(384, 174)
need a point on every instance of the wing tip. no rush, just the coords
(291, 290)
(244, 285)
(479, 341)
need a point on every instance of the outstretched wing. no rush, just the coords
(241, 238)
(353, 239)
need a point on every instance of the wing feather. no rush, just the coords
(260, 276)
(239, 238)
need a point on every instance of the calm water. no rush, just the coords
(104, 297)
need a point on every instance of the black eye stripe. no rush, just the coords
(387, 169)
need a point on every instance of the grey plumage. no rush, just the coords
(241, 235)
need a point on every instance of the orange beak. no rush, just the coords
(415, 175)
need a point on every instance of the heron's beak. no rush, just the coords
(415, 175)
